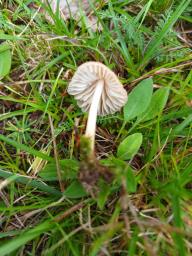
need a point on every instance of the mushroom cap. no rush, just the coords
(83, 84)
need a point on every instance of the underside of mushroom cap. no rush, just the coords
(84, 81)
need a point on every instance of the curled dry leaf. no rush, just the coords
(71, 8)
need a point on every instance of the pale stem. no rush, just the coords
(91, 123)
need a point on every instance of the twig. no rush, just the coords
(70, 211)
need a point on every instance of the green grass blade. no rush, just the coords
(15, 113)
(9, 37)
(155, 43)
(125, 50)
(25, 148)
(25, 237)
(26, 102)
(179, 239)
(182, 125)
(30, 182)
(143, 12)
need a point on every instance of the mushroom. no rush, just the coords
(97, 91)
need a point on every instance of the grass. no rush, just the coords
(146, 210)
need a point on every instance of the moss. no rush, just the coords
(91, 170)
(85, 149)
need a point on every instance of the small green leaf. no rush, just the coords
(4, 46)
(131, 184)
(138, 100)
(123, 170)
(129, 146)
(69, 168)
(75, 190)
(158, 102)
(5, 61)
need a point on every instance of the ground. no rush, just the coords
(135, 199)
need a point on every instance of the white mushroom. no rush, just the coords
(97, 91)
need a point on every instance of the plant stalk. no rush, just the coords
(92, 117)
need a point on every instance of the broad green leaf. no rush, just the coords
(4, 47)
(138, 100)
(129, 146)
(75, 190)
(69, 168)
(158, 102)
(5, 62)
(131, 184)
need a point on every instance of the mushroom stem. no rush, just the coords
(91, 123)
